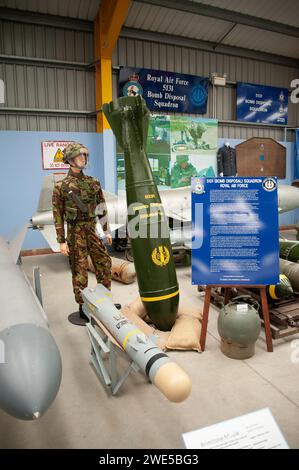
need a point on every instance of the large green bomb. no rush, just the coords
(147, 223)
(291, 270)
(289, 250)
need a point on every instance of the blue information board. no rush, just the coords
(235, 231)
(165, 91)
(260, 103)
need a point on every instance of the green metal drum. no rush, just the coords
(239, 326)
(147, 223)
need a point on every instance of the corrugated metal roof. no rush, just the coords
(265, 41)
(165, 20)
(286, 11)
(81, 9)
(181, 23)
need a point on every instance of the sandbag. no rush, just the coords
(185, 334)
(162, 336)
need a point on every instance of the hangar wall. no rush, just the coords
(50, 90)
(146, 54)
(50, 86)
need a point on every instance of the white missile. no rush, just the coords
(165, 374)
(176, 203)
(30, 363)
(288, 198)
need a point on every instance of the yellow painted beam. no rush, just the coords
(113, 15)
(103, 91)
(107, 26)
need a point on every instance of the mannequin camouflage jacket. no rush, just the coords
(65, 209)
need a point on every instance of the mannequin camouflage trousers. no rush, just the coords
(83, 241)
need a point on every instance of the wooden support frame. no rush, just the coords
(227, 294)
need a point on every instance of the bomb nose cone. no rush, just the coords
(30, 371)
(173, 382)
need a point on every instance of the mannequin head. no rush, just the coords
(227, 144)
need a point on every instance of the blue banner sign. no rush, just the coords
(235, 231)
(165, 91)
(259, 103)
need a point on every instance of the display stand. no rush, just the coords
(104, 354)
(227, 294)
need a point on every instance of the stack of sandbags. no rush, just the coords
(121, 270)
(134, 313)
(185, 333)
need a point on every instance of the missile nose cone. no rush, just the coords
(173, 382)
(30, 371)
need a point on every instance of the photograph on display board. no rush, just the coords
(158, 149)
(160, 165)
(158, 152)
(158, 139)
(178, 148)
(193, 149)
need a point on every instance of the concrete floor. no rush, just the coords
(84, 415)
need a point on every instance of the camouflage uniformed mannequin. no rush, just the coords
(182, 172)
(75, 199)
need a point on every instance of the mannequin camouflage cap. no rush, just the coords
(72, 150)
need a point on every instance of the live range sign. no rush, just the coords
(52, 154)
(165, 91)
(235, 231)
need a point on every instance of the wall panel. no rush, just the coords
(56, 87)
(46, 86)
(147, 54)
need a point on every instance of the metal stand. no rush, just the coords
(104, 354)
(227, 293)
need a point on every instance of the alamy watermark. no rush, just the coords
(153, 221)
(295, 92)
